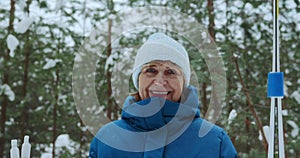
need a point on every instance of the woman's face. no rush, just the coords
(161, 79)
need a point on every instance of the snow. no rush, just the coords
(62, 141)
(7, 91)
(12, 43)
(54, 75)
(296, 96)
(288, 83)
(46, 155)
(63, 98)
(69, 41)
(110, 61)
(78, 58)
(249, 8)
(290, 4)
(268, 17)
(23, 25)
(21, 4)
(51, 63)
(112, 16)
(232, 115)
(295, 130)
(266, 130)
(221, 18)
(285, 112)
(39, 108)
(59, 4)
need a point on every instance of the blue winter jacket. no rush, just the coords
(158, 128)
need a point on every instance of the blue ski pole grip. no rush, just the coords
(275, 84)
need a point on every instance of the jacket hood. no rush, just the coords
(153, 113)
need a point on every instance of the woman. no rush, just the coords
(162, 119)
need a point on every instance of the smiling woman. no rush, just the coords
(161, 79)
(162, 119)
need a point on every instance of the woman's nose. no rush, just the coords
(160, 79)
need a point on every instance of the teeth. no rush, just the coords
(155, 92)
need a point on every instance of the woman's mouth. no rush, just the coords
(162, 94)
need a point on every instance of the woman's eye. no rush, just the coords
(171, 72)
(151, 70)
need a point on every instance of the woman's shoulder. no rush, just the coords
(206, 128)
(115, 127)
(112, 125)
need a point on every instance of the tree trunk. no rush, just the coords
(211, 19)
(27, 50)
(250, 104)
(247, 130)
(54, 113)
(81, 137)
(210, 9)
(204, 98)
(4, 106)
(108, 73)
(4, 103)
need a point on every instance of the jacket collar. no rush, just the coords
(155, 112)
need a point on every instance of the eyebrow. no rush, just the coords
(153, 64)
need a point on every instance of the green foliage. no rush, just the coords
(243, 36)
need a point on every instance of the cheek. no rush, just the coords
(143, 85)
(143, 82)
(178, 84)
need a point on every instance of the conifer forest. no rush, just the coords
(65, 67)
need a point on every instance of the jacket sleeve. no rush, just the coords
(227, 148)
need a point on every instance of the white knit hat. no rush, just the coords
(161, 47)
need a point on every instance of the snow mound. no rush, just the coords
(23, 25)
(12, 43)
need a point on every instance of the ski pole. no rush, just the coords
(275, 89)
